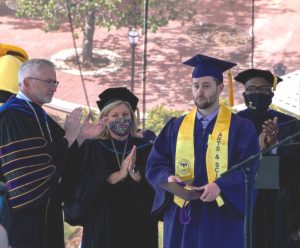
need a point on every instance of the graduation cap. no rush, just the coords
(111, 95)
(209, 66)
(246, 75)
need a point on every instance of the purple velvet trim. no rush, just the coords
(29, 178)
(38, 159)
(185, 214)
(31, 143)
(31, 196)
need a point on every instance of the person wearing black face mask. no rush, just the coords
(275, 218)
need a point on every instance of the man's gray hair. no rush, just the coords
(27, 69)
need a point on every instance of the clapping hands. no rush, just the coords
(268, 136)
(90, 129)
(73, 126)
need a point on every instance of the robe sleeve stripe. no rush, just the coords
(28, 171)
(25, 163)
(26, 190)
(25, 200)
(22, 145)
(28, 178)
(35, 188)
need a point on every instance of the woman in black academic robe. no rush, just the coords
(114, 199)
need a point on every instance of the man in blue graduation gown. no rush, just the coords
(196, 149)
(37, 158)
(276, 214)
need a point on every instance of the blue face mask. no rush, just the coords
(121, 126)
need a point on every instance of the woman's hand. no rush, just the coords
(120, 175)
(124, 168)
(90, 129)
(132, 170)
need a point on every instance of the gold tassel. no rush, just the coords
(275, 80)
(230, 89)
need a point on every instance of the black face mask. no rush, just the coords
(258, 102)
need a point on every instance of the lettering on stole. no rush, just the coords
(217, 157)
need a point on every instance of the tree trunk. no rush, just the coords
(88, 35)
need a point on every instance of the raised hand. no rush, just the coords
(271, 130)
(124, 170)
(132, 170)
(262, 139)
(90, 129)
(73, 126)
(132, 158)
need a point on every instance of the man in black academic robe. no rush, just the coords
(38, 159)
(276, 213)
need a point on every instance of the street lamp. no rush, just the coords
(133, 37)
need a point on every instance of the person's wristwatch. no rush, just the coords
(134, 169)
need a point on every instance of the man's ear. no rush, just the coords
(220, 88)
(26, 84)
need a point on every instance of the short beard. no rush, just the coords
(206, 104)
(203, 105)
(210, 101)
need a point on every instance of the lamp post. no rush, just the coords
(133, 37)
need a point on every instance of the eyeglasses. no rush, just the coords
(262, 89)
(49, 82)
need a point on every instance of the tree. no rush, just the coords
(106, 14)
(159, 116)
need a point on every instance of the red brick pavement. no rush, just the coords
(277, 33)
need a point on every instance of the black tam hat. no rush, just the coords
(246, 75)
(111, 95)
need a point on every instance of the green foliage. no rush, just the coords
(159, 116)
(85, 112)
(225, 101)
(104, 13)
(109, 13)
(52, 12)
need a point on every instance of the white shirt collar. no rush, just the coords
(21, 95)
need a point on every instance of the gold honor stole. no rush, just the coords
(216, 155)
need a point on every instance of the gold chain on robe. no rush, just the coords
(216, 155)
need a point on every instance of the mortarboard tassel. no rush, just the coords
(274, 82)
(230, 89)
